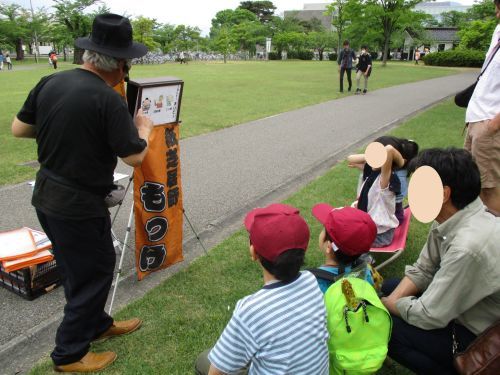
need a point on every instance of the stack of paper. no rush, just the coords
(22, 248)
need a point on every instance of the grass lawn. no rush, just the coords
(216, 95)
(187, 313)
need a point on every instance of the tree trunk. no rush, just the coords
(386, 51)
(19, 49)
(78, 56)
(320, 52)
(64, 53)
(225, 58)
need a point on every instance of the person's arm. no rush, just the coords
(21, 129)
(459, 284)
(405, 288)
(369, 65)
(393, 157)
(214, 371)
(356, 161)
(144, 126)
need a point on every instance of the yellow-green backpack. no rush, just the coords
(359, 326)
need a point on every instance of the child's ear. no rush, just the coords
(253, 254)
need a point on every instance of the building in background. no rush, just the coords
(310, 11)
(437, 8)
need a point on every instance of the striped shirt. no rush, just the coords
(281, 329)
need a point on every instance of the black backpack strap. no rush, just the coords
(325, 275)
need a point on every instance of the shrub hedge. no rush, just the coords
(457, 57)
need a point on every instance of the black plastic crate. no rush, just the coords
(31, 282)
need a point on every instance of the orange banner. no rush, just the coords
(158, 203)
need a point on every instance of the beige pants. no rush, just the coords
(360, 74)
(484, 145)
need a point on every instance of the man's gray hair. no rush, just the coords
(100, 61)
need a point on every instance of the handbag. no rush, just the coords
(482, 356)
(462, 98)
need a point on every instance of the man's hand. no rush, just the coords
(144, 125)
(390, 304)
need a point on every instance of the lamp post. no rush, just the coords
(37, 51)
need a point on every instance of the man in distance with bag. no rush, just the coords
(81, 126)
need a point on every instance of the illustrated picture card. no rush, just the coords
(161, 103)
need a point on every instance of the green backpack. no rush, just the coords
(359, 326)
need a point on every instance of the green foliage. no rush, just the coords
(70, 14)
(300, 55)
(468, 58)
(224, 42)
(274, 56)
(332, 57)
(452, 18)
(321, 40)
(339, 20)
(143, 31)
(376, 22)
(264, 10)
(186, 38)
(476, 34)
(290, 41)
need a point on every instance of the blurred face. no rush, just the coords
(363, 51)
(497, 9)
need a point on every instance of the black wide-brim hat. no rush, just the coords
(112, 36)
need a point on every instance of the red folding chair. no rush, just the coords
(398, 243)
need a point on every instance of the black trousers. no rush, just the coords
(348, 71)
(424, 351)
(85, 258)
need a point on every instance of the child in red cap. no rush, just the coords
(282, 327)
(347, 234)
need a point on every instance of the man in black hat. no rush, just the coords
(81, 126)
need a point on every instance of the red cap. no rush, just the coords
(352, 231)
(275, 229)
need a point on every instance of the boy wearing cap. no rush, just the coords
(347, 234)
(280, 329)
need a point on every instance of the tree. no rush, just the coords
(70, 13)
(339, 21)
(224, 42)
(248, 34)
(314, 24)
(143, 31)
(476, 34)
(229, 17)
(452, 18)
(289, 40)
(165, 36)
(264, 10)
(14, 28)
(321, 40)
(384, 18)
(186, 38)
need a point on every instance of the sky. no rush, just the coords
(188, 12)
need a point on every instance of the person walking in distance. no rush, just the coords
(363, 69)
(345, 59)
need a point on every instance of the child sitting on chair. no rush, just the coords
(347, 234)
(381, 186)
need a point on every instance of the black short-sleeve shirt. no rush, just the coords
(81, 125)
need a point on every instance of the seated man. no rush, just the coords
(453, 288)
(280, 329)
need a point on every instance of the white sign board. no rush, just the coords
(161, 103)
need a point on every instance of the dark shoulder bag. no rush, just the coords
(462, 98)
(482, 356)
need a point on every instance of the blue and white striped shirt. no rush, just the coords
(281, 329)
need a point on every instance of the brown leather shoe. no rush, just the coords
(90, 363)
(121, 328)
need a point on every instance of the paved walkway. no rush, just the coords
(224, 173)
